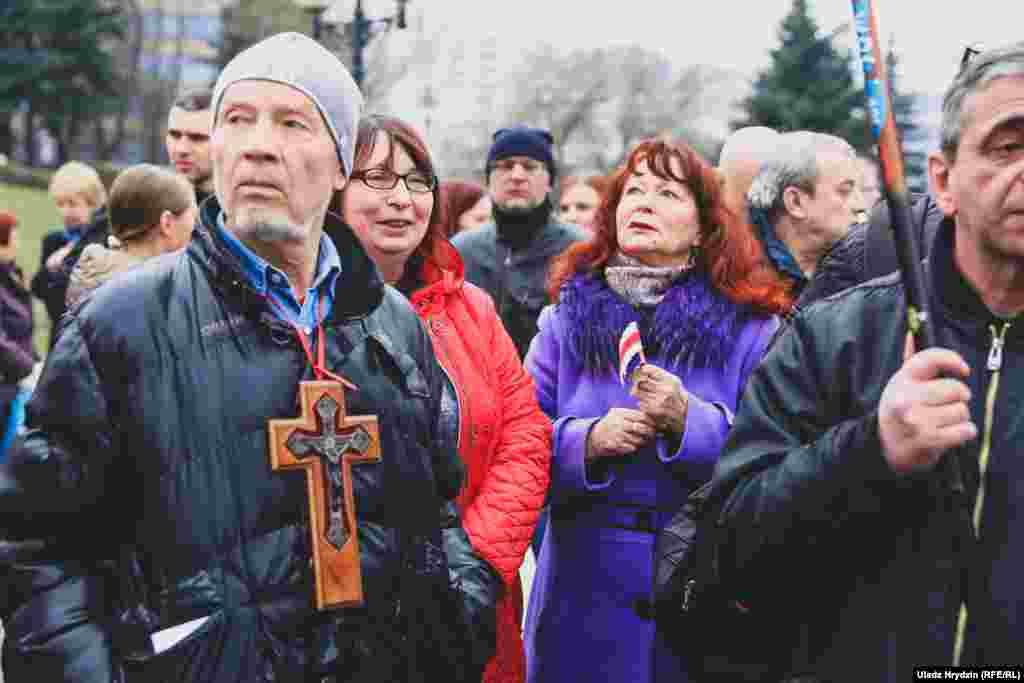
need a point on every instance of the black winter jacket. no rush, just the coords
(52, 286)
(509, 260)
(147, 473)
(47, 285)
(822, 534)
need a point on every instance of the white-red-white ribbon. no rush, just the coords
(631, 352)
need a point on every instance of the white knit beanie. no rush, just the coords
(299, 61)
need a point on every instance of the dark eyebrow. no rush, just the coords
(1013, 122)
(193, 135)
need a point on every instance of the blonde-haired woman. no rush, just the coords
(80, 197)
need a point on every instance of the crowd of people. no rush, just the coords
(475, 372)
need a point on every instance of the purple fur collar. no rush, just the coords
(693, 325)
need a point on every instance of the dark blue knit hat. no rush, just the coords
(522, 141)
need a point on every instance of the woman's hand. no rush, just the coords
(662, 398)
(620, 432)
(56, 259)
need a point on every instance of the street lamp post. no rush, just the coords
(428, 101)
(317, 26)
(360, 37)
(361, 27)
(315, 8)
(361, 22)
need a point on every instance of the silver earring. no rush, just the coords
(692, 260)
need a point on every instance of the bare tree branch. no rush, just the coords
(599, 103)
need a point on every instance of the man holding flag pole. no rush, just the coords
(876, 476)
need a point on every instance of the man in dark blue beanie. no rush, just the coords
(521, 141)
(509, 257)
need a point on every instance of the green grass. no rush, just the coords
(37, 215)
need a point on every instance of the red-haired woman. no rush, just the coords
(504, 439)
(467, 206)
(668, 256)
(578, 199)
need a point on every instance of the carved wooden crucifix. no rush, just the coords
(325, 442)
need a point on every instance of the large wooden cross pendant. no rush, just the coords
(324, 442)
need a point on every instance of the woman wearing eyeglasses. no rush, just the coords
(392, 204)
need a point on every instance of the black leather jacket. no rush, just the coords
(821, 532)
(147, 473)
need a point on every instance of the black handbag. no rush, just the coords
(719, 636)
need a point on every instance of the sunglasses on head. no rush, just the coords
(970, 52)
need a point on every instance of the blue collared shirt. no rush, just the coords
(271, 282)
(73, 234)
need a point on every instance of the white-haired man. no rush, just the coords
(160, 434)
(804, 199)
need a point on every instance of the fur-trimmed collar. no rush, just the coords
(693, 325)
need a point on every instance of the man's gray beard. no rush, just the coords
(263, 231)
(204, 183)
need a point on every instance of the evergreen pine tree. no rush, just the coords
(809, 85)
(69, 76)
(247, 22)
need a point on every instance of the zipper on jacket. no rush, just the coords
(505, 262)
(994, 365)
(460, 401)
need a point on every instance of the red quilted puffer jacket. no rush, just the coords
(504, 438)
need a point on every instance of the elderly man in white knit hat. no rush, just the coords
(239, 466)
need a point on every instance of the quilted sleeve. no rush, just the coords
(502, 517)
(52, 602)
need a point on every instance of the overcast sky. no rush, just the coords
(736, 34)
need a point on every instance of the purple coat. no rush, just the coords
(593, 577)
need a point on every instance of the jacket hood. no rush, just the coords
(431, 280)
(359, 279)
